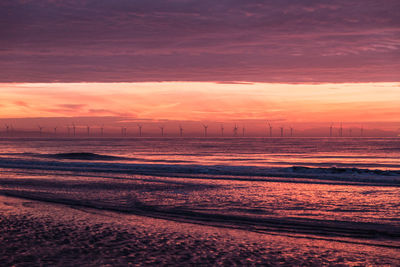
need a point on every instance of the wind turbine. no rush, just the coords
(350, 132)
(180, 130)
(40, 129)
(102, 130)
(281, 131)
(362, 131)
(74, 129)
(9, 129)
(123, 131)
(162, 130)
(205, 130)
(331, 130)
(140, 129)
(55, 130)
(291, 131)
(243, 130)
(341, 130)
(222, 130)
(88, 130)
(235, 130)
(270, 129)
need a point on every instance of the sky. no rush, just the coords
(288, 62)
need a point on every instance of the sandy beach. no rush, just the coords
(34, 233)
(199, 133)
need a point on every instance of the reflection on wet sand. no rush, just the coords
(36, 233)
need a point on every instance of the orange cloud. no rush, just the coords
(196, 101)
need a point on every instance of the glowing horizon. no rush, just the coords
(248, 103)
(204, 101)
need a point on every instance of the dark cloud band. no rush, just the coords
(254, 41)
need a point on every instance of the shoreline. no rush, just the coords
(35, 233)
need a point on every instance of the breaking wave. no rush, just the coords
(86, 162)
(83, 156)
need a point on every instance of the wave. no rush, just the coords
(374, 176)
(337, 170)
(82, 156)
(88, 156)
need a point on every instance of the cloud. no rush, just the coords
(21, 104)
(224, 41)
(74, 107)
(108, 112)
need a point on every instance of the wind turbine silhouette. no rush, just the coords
(140, 129)
(123, 131)
(222, 130)
(74, 129)
(331, 130)
(88, 130)
(40, 129)
(55, 130)
(102, 130)
(205, 130)
(162, 130)
(235, 130)
(180, 130)
(341, 130)
(270, 129)
(243, 130)
(7, 128)
(281, 131)
(291, 131)
(362, 131)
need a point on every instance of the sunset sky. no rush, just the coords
(288, 62)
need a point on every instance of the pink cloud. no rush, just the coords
(245, 41)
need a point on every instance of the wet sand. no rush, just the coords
(34, 233)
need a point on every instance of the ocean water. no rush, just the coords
(344, 190)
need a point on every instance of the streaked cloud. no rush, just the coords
(201, 101)
(223, 41)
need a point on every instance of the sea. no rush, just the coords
(343, 192)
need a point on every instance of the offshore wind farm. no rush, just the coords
(197, 130)
(200, 133)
